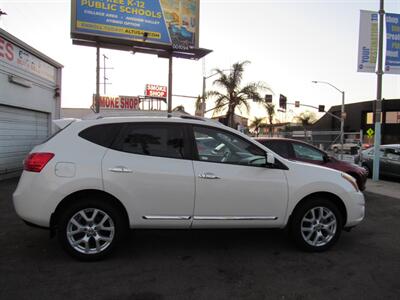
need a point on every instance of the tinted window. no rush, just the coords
(279, 147)
(102, 135)
(224, 147)
(305, 152)
(392, 153)
(164, 140)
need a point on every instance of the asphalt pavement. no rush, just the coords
(205, 264)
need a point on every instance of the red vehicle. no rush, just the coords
(300, 151)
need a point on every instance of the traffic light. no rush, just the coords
(282, 102)
(297, 104)
(268, 98)
(321, 108)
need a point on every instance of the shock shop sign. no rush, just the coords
(119, 102)
(156, 91)
(14, 56)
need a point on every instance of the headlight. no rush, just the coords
(352, 181)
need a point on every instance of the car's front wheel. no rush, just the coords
(316, 225)
(89, 229)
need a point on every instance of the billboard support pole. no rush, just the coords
(97, 100)
(170, 84)
(378, 102)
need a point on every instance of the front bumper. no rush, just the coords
(355, 206)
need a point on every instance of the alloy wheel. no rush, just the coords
(318, 226)
(90, 231)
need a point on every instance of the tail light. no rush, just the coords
(35, 162)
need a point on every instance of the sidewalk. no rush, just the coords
(384, 188)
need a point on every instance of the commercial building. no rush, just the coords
(360, 116)
(30, 98)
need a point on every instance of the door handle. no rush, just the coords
(208, 176)
(120, 169)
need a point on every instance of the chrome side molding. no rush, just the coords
(170, 218)
(217, 218)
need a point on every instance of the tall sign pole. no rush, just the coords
(170, 84)
(378, 102)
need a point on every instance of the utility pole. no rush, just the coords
(378, 102)
(97, 97)
(105, 77)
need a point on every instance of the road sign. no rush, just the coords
(370, 133)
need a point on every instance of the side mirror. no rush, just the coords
(326, 158)
(270, 159)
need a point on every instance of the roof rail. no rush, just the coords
(142, 113)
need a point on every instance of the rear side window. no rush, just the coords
(279, 147)
(103, 134)
(153, 139)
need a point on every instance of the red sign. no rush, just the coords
(156, 91)
(119, 102)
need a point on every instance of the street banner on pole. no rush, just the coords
(368, 41)
(392, 62)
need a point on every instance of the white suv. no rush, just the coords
(97, 178)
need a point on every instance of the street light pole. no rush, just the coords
(341, 117)
(342, 128)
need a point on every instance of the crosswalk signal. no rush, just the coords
(321, 108)
(282, 102)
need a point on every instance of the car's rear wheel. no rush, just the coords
(90, 229)
(316, 225)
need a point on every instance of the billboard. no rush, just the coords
(392, 62)
(368, 41)
(166, 22)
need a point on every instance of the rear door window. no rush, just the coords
(103, 134)
(154, 139)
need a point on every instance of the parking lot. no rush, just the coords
(230, 264)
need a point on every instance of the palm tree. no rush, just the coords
(234, 95)
(257, 123)
(270, 108)
(306, 118)
(198, 105)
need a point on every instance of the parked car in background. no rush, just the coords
(97, 178)
(348, 146)
(300, 151)
(389, 160)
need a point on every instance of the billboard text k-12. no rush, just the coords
(169, 22)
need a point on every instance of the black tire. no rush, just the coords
(368, 170)
(116, 221)
(305, 210)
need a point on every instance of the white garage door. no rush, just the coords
(20, 131)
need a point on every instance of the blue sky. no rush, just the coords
(289, 44)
